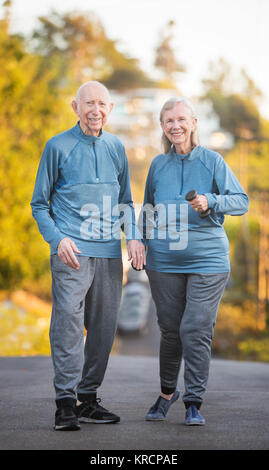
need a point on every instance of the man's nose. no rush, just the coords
(96, 108)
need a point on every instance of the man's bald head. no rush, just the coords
(93, 85)
(92, 105)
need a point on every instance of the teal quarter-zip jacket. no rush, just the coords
(201, 245)
(82, 191)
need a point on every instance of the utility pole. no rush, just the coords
(263, 262)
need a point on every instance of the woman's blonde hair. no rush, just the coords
(170, 104)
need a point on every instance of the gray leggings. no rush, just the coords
(187, 306)
(88, 297)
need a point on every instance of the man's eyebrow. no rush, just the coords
(88, 100)
(177, 117)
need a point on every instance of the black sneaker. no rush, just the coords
(66, 419)
(92, 412)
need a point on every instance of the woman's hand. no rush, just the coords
(200, 203)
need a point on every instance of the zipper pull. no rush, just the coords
(96, 164)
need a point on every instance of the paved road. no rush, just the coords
(146, 343)
(236, 408)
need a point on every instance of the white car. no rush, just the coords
(134, 310)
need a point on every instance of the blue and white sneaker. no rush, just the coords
(159, 410)
(193, 417)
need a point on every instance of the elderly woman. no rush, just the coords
(187, 278)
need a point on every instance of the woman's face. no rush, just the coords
(178, 124)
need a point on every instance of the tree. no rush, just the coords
(78, 48)
(249, 88)
(237, 108)
(166, 60)
(31, 111)
(238, 114)
(37, 78)
(126, 79)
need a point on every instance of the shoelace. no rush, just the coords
(97, 401)
(94, 404)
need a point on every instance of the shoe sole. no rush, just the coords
(155, 419)
(195, 424)
(91, 420)
(67, 427)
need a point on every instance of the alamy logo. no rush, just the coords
(160, 221)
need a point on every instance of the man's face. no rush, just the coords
(92, 107)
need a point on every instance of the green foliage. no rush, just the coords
(254, 349)
(30, 113)
(34, 106)
(237, 108)
(78, 47)
(250, 163)
(239, 332)
(24, 332)
(127, 78)
(165, 59)
(238, 115)
(38, 78)
(21, 334)
(236, 103)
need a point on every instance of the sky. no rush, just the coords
(236, 30)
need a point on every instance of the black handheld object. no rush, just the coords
(192, 195)
(137, 269)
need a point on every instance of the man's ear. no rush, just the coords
(111, 107)
(75, 106)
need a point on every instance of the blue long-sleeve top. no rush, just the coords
(177, 239)
(82, 191)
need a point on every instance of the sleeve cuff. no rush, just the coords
(55, 243)
(130, 239)
(211, 200)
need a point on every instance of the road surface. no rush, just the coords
(236, 408)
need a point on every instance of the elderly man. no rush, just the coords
(81, 199)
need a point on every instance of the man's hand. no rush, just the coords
(65, 250)
(136, 253)
(199, 203)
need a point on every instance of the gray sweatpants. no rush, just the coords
(187, 306)
(88, 297)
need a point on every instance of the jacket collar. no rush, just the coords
(88, 139)
(188, 156)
